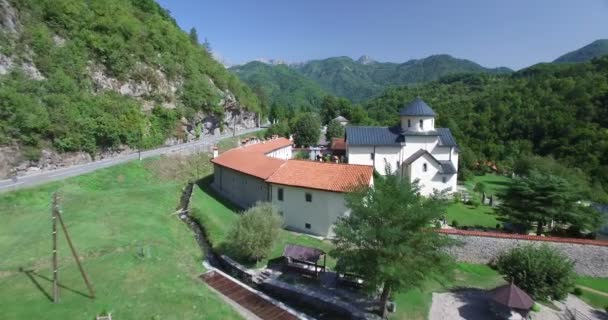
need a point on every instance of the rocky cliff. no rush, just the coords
(51, 45)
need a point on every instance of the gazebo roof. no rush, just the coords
(302, 253)
(513, 297)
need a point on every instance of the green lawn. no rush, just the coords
(142, 260)
(416, 303)
(494, 183)
(218, 215)
(597, 300)
(466, 215)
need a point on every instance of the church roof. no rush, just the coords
(341, 119)
(386, 136)
(417, 108)
(373, 136)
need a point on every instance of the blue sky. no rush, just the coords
(512, 33)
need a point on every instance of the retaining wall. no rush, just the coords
(590, 256)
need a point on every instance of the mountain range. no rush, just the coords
(303, 84)
(356, 80)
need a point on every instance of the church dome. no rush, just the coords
(417, 108)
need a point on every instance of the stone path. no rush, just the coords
(472, 304)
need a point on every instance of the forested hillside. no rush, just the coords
(78, 75)
(303, 84)
(595, 49)
(558, 110)
(281, 85)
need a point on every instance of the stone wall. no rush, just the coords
(590, 256)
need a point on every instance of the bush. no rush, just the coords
(254, 234)
(455, 223)
(498, 226)
(577, 292)
(540, 271)
(536, 307)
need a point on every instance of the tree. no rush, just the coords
(386, 237)
(541, 198)
(281, 129)
(254, 234)
(194, 36)
(277, 113)
(332, 107)
(539, 270)
(334, 130)
(306, 129)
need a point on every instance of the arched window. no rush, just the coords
(421, 124)
(443, 179)
(424, 167)
(409, 123)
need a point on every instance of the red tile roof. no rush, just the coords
(322, 175)
(337, 144)
(252, 160)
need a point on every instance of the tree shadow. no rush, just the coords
(476, 303)
(34, 277)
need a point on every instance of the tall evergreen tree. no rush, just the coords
(194, 36)
(386, 237)
(334, 130)
(539, 198)
(306, 129)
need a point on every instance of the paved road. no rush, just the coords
(62, 173)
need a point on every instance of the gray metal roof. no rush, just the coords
(447, 167)
(384, 136)
(446, 139)
(417, 108)
(373, 136)
(340, 119)
(417, 155)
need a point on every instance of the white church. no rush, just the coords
(414, 149)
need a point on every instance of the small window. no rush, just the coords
(280, 194)
(307, 225)
(371, 156)
(409, 123)
(424, 167)
(421, 124)
(398, 164)
(443, 179)
(281, 213)
(308, 197)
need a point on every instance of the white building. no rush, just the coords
(414, 149)
(308, 194)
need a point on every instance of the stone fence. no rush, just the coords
(590, 256)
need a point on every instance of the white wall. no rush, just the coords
(442, 153)
(283, 153)
(321, 213)
(428, 123)
(242, 189)
(382, 156)
(431, 179)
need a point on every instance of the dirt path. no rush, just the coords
(601, 293)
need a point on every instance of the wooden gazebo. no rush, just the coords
(304, 259)
(510, 302)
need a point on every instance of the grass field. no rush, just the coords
(142, 260)
(600, 284)
(480, 216)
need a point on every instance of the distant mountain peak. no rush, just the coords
(273, 62)
(365, 59)
(595, 49)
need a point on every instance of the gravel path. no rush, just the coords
(472, 304)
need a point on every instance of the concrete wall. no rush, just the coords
(590, 257)
(244, 190)
(321, 213)
(283, 153)
(428, 123)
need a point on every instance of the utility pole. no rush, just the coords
(54, 211)
(57, 216)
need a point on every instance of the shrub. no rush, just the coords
(455, 223)
(577, 292)
(539, 270)
(498, 226)
(536, 307)
(254, 234)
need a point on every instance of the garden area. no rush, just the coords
(474, 214)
